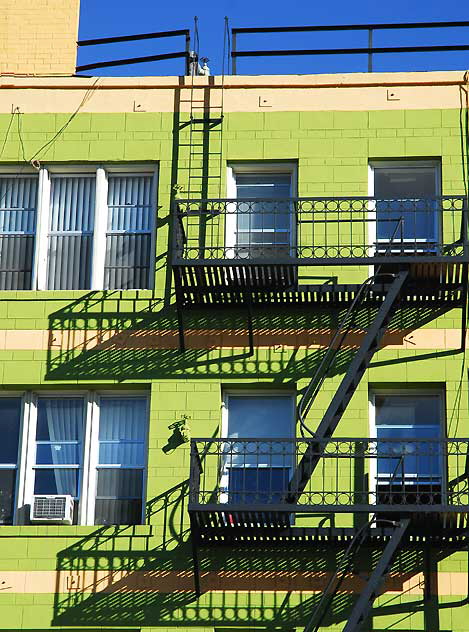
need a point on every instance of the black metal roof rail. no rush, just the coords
(138, 60)
(368, 50)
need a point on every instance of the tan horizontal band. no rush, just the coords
(278, 340)
(269, 93)
(443, 583)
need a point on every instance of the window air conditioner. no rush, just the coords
(52, 509)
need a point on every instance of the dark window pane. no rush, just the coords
(58, 454)
(404, 410)
(120, 483)
(405, 182)
(7, 495)
(56, 481)
(118, 511)
(127, 261)
(10, 416)
(257, 485)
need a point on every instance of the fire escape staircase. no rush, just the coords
(363, 605)
(350, 381)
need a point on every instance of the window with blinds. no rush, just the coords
(129, 231)
(72, 208)
(18, 209)
(96, 228)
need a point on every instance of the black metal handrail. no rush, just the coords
(368, 50)
(186, 53)
(320, 230)
(402, 474)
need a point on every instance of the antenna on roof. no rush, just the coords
(195, 68)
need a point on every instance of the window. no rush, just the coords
(258, 473)
(403, 422)
(121, 461)
(59, 445)
(261, 225)
(406, 194)
(91, 446)
(18, 210)
(95, 228)
(129, 231)
(71, 224)
(10, 418)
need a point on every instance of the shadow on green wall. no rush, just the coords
(142, 576)
(107, 335)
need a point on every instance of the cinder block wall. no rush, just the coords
(38, 37)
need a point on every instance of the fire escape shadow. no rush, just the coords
(121, 335)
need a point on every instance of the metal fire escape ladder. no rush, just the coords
(347, 388)
(336, 580)
(368, 594)
(205, 124)
(203, 151)
(345, 326)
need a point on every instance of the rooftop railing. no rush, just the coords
(359, 40)
(368, 475)
(320, 230)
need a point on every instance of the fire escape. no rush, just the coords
(218, 264)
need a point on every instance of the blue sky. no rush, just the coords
(104, 18)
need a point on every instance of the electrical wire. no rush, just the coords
(7, 133)
(87, 96)
(20, 133)
(33, 160)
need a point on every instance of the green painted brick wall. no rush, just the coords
(332, 150)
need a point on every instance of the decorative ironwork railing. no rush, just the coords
(402, 475)
(319, 230)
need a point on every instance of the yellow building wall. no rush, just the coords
(38, 37)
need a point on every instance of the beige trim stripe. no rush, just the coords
(82, 340)
(291, 93)
(30, 582)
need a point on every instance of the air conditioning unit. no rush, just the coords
(52, 509)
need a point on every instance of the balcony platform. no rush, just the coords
(439, 530)
(243, 490)
(199, 286)
(254, 251)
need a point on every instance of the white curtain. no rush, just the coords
(64, 420)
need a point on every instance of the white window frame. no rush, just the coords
(100, 172)
(288, 168)
(407, 163)
(373, 432)
(226, 394)
(94, 450)
(24, 491)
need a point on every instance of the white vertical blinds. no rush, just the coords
(98, 230)
(18, 208)
(129, 231)
(71, 224)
